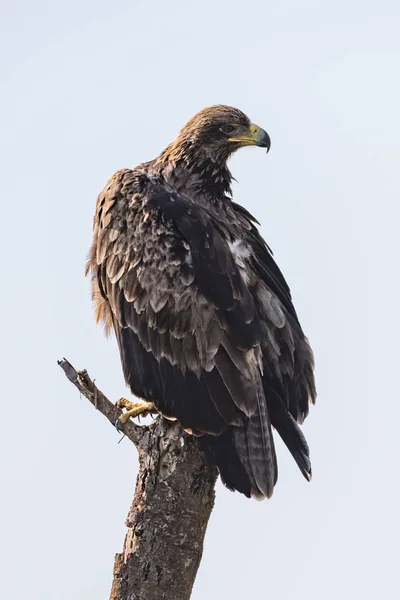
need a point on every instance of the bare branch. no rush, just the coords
(89, 390)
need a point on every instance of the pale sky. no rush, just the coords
(88, 87)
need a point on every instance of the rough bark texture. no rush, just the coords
(173, 501)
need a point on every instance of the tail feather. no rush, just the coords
(289, 431)
(241, 446)
(222, 451)
(263, 426)
(261, 455)
(245, 455)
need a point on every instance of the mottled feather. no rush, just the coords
(203, 317)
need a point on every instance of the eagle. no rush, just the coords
(203, 317)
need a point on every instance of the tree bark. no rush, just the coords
(171, 507)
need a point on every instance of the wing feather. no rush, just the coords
(288, 361)
(193, 330)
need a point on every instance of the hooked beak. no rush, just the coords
(253, 136)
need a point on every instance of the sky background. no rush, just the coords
(90, 87)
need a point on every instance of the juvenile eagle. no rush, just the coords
(204, 319)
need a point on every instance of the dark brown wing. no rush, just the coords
(288, 361)
(186, 324)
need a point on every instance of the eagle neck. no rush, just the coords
(200, 178)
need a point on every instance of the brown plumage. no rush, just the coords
(202, 314)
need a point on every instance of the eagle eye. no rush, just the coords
(227, 129)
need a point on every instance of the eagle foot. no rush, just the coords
(134, 409)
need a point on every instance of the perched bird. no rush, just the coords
(204, 319)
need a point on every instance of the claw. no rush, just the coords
(124, 403)
(134, 409)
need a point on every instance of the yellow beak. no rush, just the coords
(253, 136)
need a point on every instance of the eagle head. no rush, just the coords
(216, 132)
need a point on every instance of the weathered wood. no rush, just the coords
(171, 507)
(89, 390)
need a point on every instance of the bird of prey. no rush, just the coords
(203, 316)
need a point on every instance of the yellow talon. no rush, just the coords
(134, 409)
